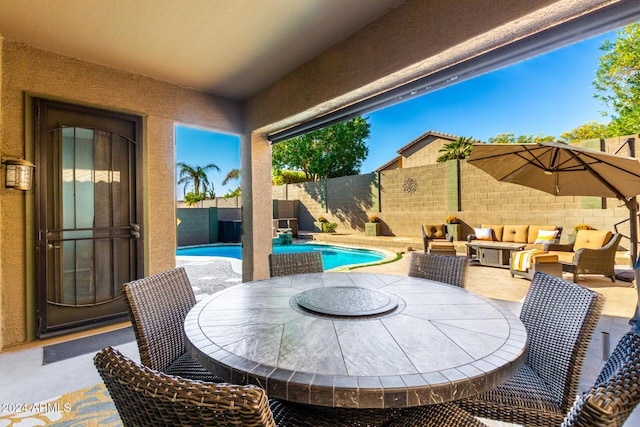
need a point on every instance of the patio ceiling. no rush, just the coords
(231, 48)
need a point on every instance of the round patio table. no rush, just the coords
(357, 340)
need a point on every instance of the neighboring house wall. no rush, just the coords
(424, 151)
(27, 71)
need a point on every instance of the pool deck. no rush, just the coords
(31, 381)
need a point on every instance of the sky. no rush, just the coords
(549, 94)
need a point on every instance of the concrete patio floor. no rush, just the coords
(25, 380)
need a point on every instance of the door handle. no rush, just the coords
(135, 231)
(52, 246)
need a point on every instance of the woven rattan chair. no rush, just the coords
(608, 403)
(590, 261)
(616, 392)
(144, 397)
(295, 263)
(441, 268)
(158, 305)
(441, 415)
(560, 317)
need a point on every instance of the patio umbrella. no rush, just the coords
(566, 170)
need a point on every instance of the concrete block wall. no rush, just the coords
(410, 197)
(193, 228)
(200, 226)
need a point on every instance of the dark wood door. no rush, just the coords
(88, 214)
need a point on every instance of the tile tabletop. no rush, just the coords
(390, 341)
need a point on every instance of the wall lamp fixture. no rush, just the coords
(18, 173)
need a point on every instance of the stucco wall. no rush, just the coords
(26, 72)
(425, 152)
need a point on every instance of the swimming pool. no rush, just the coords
(332, 256)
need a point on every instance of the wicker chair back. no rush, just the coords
(144, 397)
(158, 305)
(560, 317)
(442, 268)
(616, 392)
(295, 263)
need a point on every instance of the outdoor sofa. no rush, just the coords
(533, 236)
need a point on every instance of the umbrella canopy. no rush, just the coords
(565, 170)
(560, 169)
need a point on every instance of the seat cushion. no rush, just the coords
(435, 231)
(515, 233)
(566, 257)
(591, 239)
(441, 244)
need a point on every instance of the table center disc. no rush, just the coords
(346, 301)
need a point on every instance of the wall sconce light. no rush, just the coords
(18, 173)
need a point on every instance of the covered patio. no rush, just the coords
(142, 63)
(36, 382)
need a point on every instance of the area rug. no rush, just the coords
(91, 407)
(90, 344)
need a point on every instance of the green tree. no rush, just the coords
(281, 177)
(196, 175)
(589, 130)
(458, 149)
(510, 138)
(617, 79)
(334, 151)
(191, 198)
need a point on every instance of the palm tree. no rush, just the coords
(196, 174)
(233, 174)
(458, 149)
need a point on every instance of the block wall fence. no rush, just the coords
(406, 198)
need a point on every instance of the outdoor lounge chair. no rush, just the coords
(295, 263)
(593, 252)
(560, 317)
(158, 305)
(436, 238)
(441, 268)
(608, 403)
(144, 397)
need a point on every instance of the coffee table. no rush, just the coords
(493, 254)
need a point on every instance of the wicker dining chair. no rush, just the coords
(145, 397)
(616, 391)
(611, 400)
(442, 268)
(295, 263)
(158, 305)
(560, 317)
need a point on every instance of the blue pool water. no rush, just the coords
(332, 256)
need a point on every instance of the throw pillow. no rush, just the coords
(483, 233)
(546, 236)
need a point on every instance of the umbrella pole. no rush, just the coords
(633, 236)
